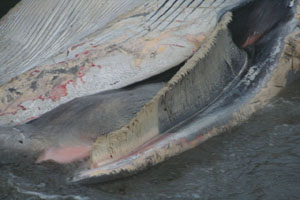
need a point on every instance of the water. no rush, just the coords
(258, 160)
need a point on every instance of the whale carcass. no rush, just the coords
(131, 83)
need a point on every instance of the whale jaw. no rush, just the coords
(258, 73)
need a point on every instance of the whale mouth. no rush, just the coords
(247, 69)
(249, 56)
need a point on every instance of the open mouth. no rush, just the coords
(228, 78)
(245, 56)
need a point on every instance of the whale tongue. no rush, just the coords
(65, 155)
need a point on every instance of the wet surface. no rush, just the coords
(257, 160)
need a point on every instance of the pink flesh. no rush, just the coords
(251, 40)
(65, 155)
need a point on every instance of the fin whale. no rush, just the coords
(222, 78)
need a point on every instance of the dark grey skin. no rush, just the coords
(80, 121)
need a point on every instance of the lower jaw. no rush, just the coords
(267, 68)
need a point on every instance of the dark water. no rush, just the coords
(257, 160)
